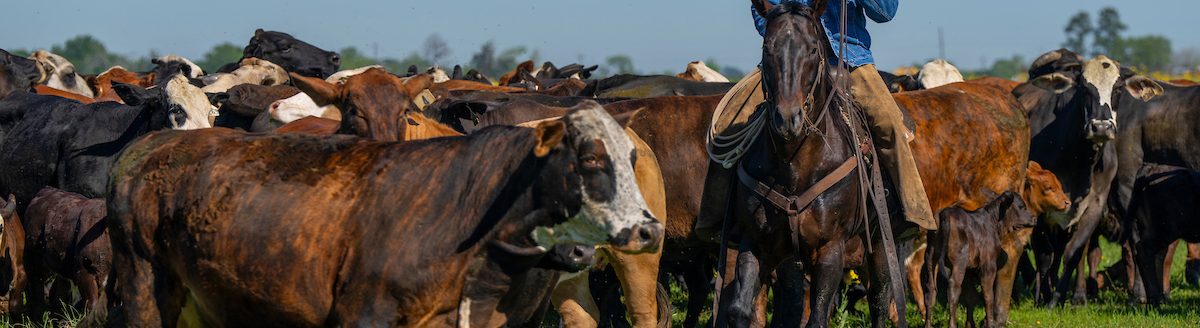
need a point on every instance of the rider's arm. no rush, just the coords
(879, 11)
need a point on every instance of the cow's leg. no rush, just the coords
(574, 302)
(1094, 257)
(958, 270)
(35, 290)
(933, 260)
(1013, 246)
(987, 287)
(697, 277)
(1191, 272)
(745, 286)
(915, 265)
(1047, 258)
(1079, 296)
(1137, 292)
(638, 275)
(1149, 257)
(790, 287)
(828, 264)
(1166, 269)
(144, 297)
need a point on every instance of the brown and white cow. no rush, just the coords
(445, 256)
(251, 71)
(698, 71)
(60, 73)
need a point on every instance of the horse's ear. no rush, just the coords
(762, 6)
(818, 7)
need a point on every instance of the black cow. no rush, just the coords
(1072, 119)
(52, 141)
(900, 83)
(1160, 130)
(17, 73)
(1162, 209)
(290, 53)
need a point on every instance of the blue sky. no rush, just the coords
(658, 34)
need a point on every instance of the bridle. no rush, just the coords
(818, 80)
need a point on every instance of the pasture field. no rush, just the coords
(1109, 310)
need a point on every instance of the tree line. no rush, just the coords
(90, 56)
(1106, 36)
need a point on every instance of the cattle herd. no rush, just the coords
(283, 191)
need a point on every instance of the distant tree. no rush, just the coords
(1185, 60)
(20, 52)
(732, 73)
(485, 59)
(220, 55)
(87, 53)
(620, 64)
(400, 66)
(508, 60)
(1106, 38)
(1008, 67)
(1150, 53)
(435, 48)
(1077, 30)
(353, 58)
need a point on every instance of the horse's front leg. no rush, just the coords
(746, 283)
(828, 264)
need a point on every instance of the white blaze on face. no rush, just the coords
(597, 220)
(297, 107)
(706, 74)
(439, 75)
(938, 73)
(60, 73)
(340, 77)
(192, 100)
(196, 71)
(1102, 74)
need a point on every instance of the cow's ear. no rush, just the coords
(1054, 82)
(258, 32)
(762, 6)
(148, 79)
(11, 207)
(134, 95)
(1143, 88)
(322, 92)
(626, 117)
(414, 85)
(549, 134)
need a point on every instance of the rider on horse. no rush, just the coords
(868, 92)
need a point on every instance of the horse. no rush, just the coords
(802, 189)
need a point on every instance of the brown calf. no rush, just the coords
(68, 237)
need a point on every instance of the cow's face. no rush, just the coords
(792, 55)
(259, 71)
(1014, 214)
(169, 65)
(1044, 192)
(589, 185)
(374, 104)
(1095, 85)
(176, 104)
(292, 54)
(300, 106)
(17, 73)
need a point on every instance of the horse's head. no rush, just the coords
(793, 61)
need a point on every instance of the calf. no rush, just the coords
(970, 241)
(67, 237)
(1163, 209)
(12, 253)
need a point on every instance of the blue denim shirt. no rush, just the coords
(858, 41)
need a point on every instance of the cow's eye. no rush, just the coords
(590, 162)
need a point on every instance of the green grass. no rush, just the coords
(1109, 310)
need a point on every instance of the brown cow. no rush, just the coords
(102, 84)
(374, 104)
(12, 250)
(66, 236)
(363, 266)
(953, 170)
(971, 241)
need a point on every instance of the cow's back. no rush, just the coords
(972, 142)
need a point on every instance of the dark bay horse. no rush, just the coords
(800, 190)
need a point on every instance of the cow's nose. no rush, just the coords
(1102, 131)
(645, 237)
